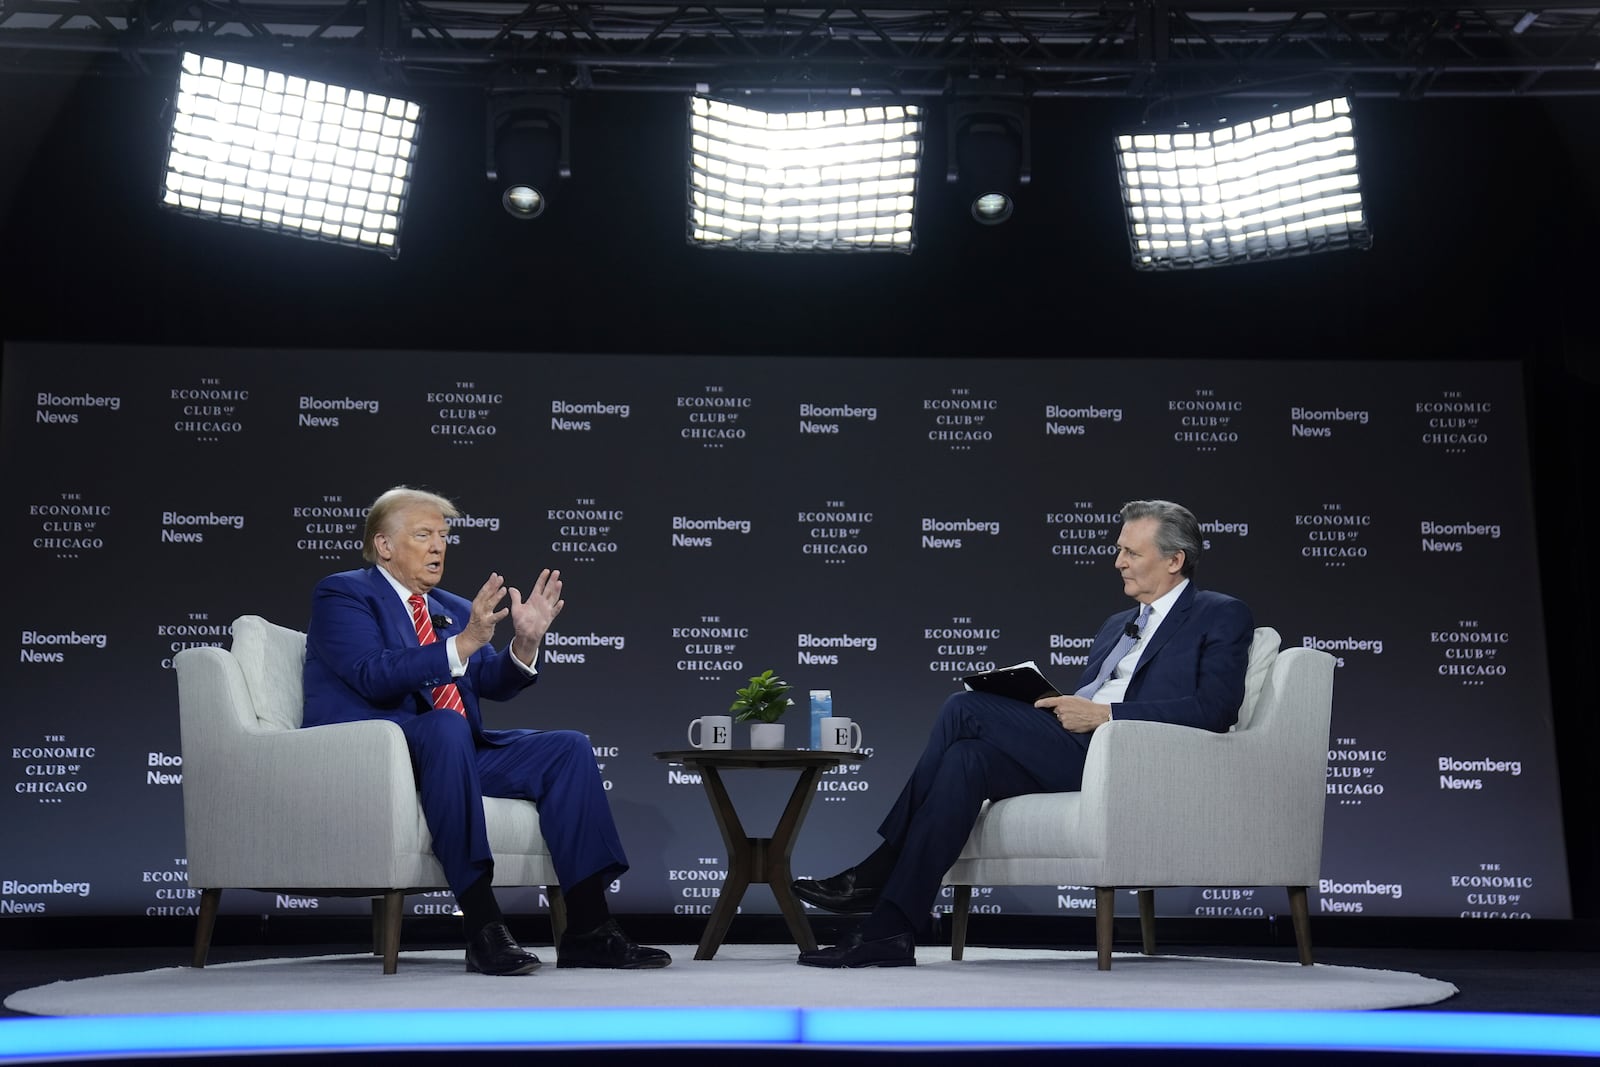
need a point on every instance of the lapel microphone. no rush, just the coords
(1132, 629)
(441, 622)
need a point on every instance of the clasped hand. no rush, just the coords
(531, 618)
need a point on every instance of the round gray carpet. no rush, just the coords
(745, 976)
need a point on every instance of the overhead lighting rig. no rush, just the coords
(990, 153)
(528, 148)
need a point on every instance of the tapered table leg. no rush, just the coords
(764, 860)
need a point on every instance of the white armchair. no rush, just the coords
(1164, 805)
(326, 811)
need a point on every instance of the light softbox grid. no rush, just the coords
(837, 180)
(290, 155)
(1282, 185)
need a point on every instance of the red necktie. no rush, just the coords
(446, 695)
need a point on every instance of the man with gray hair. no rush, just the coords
(384, 642)
(1178, 656)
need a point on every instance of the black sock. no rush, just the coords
(876, 868)
(478, 906)
(886, 920)
(586, 903)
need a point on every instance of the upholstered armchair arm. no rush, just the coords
(251, 793)
(1191, 807)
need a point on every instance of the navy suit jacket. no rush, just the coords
(1192, 671)
(363, 660)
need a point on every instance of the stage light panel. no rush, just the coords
(290, 155)
(1282, 185)
(837, 180)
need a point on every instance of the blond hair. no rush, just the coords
(390, 503)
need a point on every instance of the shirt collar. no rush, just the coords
(1161, 607)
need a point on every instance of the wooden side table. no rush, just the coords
(758, 859)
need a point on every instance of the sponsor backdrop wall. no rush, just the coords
(877, 528)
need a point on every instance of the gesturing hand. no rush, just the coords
(486, 614)
(532, 617)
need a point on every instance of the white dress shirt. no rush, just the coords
(1112, 689)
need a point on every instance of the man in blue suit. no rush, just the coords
(385, 642)
(1178, 657)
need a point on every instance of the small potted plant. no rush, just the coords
(761, 703)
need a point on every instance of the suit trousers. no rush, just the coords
(553, 768)
(982, 747)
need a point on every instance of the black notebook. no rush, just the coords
(1020, 681)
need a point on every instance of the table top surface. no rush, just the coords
(759, 757)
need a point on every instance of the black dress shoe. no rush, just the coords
(897, 951)
(607, 946)
(844, 893)
(493, 950)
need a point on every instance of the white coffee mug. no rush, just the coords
(716, 731)
(840, 735)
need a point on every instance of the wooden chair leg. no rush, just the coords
(558, 913)
(958, 921)
(1300, 910)
(377, 925)
(205, 924)
(1105, 903)
(1147, 921)
(394, 904)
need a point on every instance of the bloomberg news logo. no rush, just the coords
(1063, 420)
(11, 888)
(831, 420)
(55, 409)
(1340, 898)
(41, 647)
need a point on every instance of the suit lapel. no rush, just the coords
(397, 625)
(1169, 627)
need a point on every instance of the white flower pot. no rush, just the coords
(766, 735)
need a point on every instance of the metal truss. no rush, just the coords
(1030, 48)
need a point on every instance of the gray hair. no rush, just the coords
(390, 503)
(1177, 530)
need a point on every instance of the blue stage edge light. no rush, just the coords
(23, 1040)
